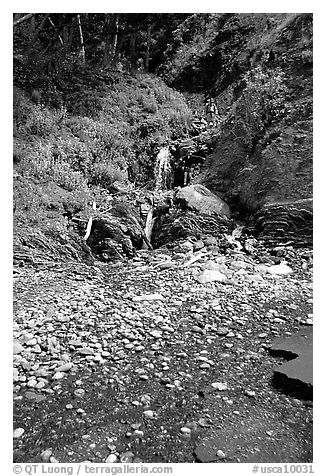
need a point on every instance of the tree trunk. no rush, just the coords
(148, 41)
(81, 39)
(71, 33)
(110, 49)
(132, 49)
(115, 34)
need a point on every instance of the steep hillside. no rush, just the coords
(82, 131)
(259, 70)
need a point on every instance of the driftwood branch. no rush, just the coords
(89, 224)
(88, 229)
(194, 259)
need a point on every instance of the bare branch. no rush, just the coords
(24, 18)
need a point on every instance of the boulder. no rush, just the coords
(199, 198)
(210, 276)
(118, 232)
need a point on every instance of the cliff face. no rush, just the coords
(258, 67)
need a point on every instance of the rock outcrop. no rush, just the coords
(182, 224)
(286, 223)
(117, 233)
(258, 69)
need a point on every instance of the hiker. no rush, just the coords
(211, 111)
(186, 176)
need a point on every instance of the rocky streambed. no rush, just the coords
(160, 358)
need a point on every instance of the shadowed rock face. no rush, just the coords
(117, 233)
(287, 223)
(259, 70)
(295, 376)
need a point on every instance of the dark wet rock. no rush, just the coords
(295, 376)
(199, 198)
(288, 222)
(118, 232)
(178, 225)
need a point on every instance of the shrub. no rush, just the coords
(104, 174)
(261, 103)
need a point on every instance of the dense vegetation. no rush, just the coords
(81, 125)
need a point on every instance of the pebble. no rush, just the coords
(19, 432)
(145, 399)
(222, 331)
(112, 458)
(58, 376)
(79, 392)
(206, 365)
(65, 367)
(220, 454)
(156, 334)
(185, 430)
(46, 455)
(219, 386)
(135, 426)
(86, 351)
(31, 342)
(15, 374)
(17, 348)
(210, 276)
(148, 414)
(148, 297)
(250, 393)
(127, 457)
(143, 377)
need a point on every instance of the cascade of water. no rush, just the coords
(162, 169)
(149, 225)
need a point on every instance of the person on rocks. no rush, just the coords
(187, 175)
(211, 111)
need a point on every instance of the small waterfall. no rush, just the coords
(163, 170)
(149, 224)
